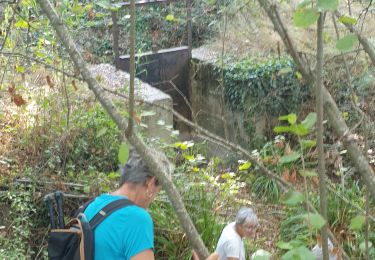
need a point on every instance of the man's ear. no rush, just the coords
(149, 183)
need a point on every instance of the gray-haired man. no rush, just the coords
(230, 245)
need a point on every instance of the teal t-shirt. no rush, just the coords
(123, 234)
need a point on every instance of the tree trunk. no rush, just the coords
(320, 133)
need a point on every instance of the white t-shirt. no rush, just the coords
(230, 244)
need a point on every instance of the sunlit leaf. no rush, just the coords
(195, 169)
(308, 173)
(299, 129)
(308, 143)
(284, 245)
(170, 18)
(281, 129)
(101, 132)
(292, 198)
(357, 222)
(305, 17)
(327, 5)
(182, 146)
(190, 158)
(300, 253)
(123, 153)
(294, 156)
(315, 220)
(244, 166)
(298, 75)
(20, 69)
(347, 20)
(347, 42)
(113, 175)
(291, 118)
(21, 24)
(227, 175)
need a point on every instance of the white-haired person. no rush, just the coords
(230, 245)
(128, 233)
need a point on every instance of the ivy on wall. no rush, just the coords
(274, 86)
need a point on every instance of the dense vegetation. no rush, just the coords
(55, 135)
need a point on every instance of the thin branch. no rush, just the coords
(366, 44)
(17, 54)
(129, 130)
(320, 133)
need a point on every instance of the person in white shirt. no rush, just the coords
(230, 245)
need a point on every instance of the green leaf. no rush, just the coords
(289, 158)
(299, 130)
(281, 129)
(170, 18)
(244, 166)
(101, 132)
(308, 173)
(284, 245)
(300, 253)
(123, 153)
(347, 20)
(292, 198)
(113, 176)
(190, 158)
(362, 246)
(308, 143)
(309, 121)
(357, 222)
(298, 75)
(347, 42)
(21, 24)
(20, 69)
(292, 118)
(327, 5)
(305, 17)
(182, 146)
(315, 220)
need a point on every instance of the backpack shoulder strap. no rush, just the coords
(108, 210)
(83, 207)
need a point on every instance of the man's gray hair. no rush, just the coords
(246, 215)
(136, 171)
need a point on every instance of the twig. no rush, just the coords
(17, 54)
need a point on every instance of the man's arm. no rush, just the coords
(232, 258)
(144, 255)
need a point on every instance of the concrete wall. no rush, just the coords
(211, 112)
(166, 70)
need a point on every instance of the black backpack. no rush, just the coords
(76, 240)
